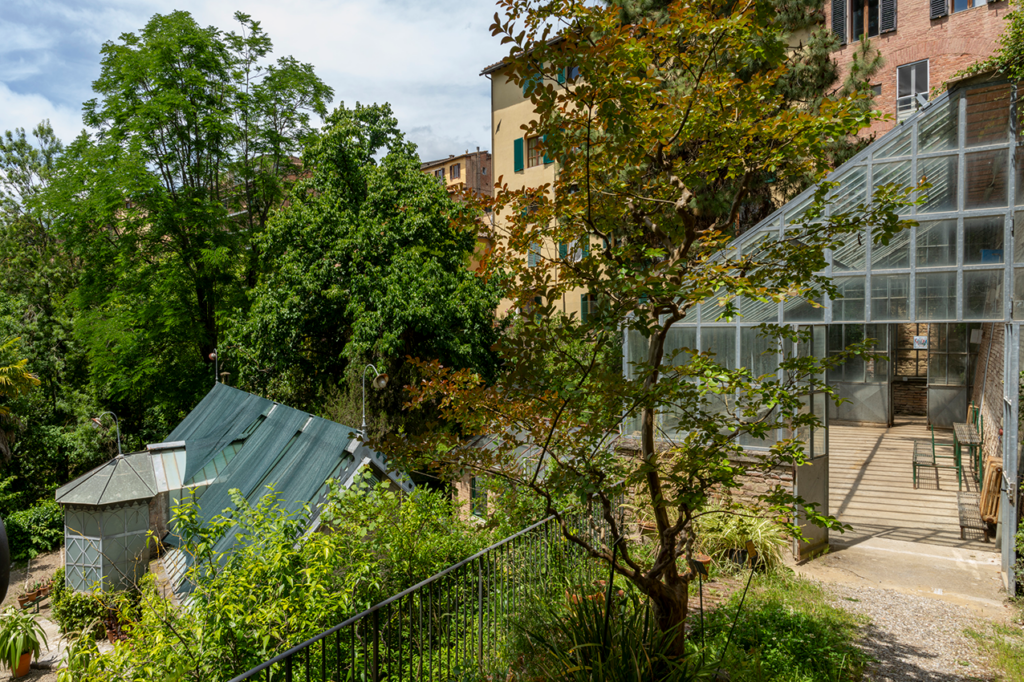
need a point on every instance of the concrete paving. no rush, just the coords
(968, 577)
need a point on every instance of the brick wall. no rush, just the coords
(950, 44)
(988, 386)
(910, 398)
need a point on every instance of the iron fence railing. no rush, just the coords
(455, 621)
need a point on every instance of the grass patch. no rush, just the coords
(1004, 646)
(789, 631)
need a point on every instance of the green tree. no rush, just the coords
(162, 206)
(367, 263)
(15, 379)
(659, 140)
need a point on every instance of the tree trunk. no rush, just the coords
(670, 601)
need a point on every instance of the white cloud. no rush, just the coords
(423, 58)
(26, 110)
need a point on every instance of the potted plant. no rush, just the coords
(20, 639)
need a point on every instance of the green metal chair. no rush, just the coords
(926, 455)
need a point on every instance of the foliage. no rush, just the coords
(261, 583)
(658, 142)
(59, 585)
(20, 633)
(1008, 60)
(1004, 644)
(35, 530)
(790, 629)
(367, 263)
(15, 380)
(721, 529)
(80, 612)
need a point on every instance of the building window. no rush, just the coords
(961, 5)
(533, 256)
(864, 19)
(876, 90)
(439, 173)
(533, 153)
(477, 498)
(456, 171)
(911, 81)
(483, 171)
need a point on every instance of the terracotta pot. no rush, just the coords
(44, 591)
(23, 663)
(23, 601)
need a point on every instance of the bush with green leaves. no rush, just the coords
(35, 530)
(79, 612)
(279, 585)
(722, 529)
(59, 585)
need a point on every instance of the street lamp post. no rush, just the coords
(117, 427)
(380, 380)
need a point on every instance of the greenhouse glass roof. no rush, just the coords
(957, 264)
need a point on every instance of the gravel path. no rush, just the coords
(914, 638)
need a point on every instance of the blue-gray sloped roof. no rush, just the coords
(220, 418)
(122, 479)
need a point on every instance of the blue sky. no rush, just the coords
(422, 57)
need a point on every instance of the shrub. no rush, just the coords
(79, 612)
(722, 529)
(35, 530)
(59, 588)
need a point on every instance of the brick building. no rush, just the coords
(469, 172)
(922, 44)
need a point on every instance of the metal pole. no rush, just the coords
(480, 612)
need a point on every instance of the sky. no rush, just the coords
(423, 57)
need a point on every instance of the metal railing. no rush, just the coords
(455, 621)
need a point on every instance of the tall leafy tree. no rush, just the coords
(195, 147)
(660, 141)
(369, 262)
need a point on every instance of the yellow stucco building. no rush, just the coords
(519, 161)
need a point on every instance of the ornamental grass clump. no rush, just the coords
(723, 532)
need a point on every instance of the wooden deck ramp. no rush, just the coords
(871, 487)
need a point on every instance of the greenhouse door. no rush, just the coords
(810, 481)
(948, 372)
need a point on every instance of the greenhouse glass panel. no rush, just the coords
(986, 179)
(799, 309)
(889, 297)
(720, 341)
(851, 306)
(898, 144)
(758, 352)
(936, 295)
(851, 256)
(753, 310)
(937, 129)
(894, 255)
(1018, 245)
(1019, 157)
(877, 369)
(983, 291)
(840, 336)
(712, 307)
(895, 173)
(1018, 293)
(988, 115)
(796, 212)
(677, 338)
(851, 192)
(983, 240)
(936, 243)
(941, 174)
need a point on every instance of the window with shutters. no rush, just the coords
(439, 173)
(864, 19)
(853, 19)
(533, 153)
(533, 256)
(456, 171)
(911, 81)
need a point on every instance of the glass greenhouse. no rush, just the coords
(925, 296)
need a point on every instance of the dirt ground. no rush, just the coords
(35, 676)
(39, 569)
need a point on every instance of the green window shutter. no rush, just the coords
(517, 153)
(584, 308)
(561, 76)
(563, 251)
(547, 159)
(585, 243)
(533, 256)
